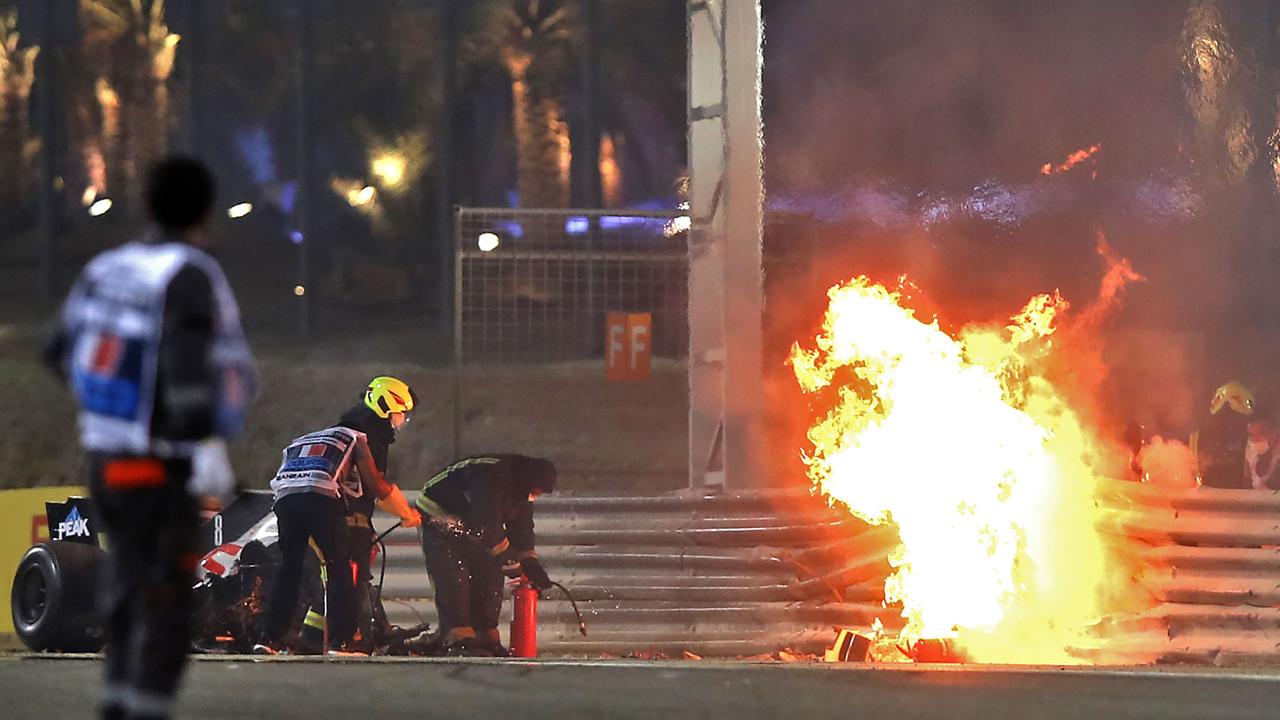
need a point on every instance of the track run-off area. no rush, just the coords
(67, 687)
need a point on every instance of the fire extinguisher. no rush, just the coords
(524, 621)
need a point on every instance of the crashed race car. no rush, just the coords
(55, 590)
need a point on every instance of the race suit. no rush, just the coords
(477, 512)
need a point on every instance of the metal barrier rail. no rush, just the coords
(714, 575)
(1211, 564)
(752, 573)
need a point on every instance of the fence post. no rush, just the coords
(46, 82)
(305, 201)
(725, 276)
(457, 256)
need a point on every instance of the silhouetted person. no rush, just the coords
(479, 526)
(1219, 443)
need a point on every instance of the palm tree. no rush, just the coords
(531, 39)
(129, 38)
(1230, 84)
(17, 143)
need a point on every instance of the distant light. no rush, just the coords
(295, 236)
(90, 194)
(577, 225)
(100, 207)
(488, 242)
(613, 222)
(239, 210)
(58, 183)
(362, 196)
(678, 225)
(389, 168)
(299, 290)
(511, 229)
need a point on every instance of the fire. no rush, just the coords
(1072, 160)
(967, 446)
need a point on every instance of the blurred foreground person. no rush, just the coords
(479, 526)
(151, 345)
(323, 476)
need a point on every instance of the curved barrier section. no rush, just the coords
(749, 574)
(712, 575)
(1211, 563)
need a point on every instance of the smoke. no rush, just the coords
(908, 136)
(1168, 463)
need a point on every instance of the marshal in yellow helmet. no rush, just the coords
(1232, 395)
(387, 395)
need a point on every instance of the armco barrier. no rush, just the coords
(22, 524)
(717, 575)
(747, 574)
(1210, 562)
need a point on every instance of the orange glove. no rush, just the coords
(396, 504)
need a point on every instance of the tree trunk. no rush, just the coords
(133, 96)
(542, 141)
(17, 144)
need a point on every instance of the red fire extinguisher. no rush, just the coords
(524, 621)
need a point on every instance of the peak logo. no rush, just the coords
(73, 526)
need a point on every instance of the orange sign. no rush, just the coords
(627, 346)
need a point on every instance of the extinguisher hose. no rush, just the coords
(377, 541)
(582, 625)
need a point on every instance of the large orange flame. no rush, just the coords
(971, 450)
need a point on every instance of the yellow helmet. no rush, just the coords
(388, 395)
(1233, 395)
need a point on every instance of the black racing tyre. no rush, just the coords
(54, 597)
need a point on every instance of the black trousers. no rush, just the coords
(151, 524)
(304, 517)
(371, 615)
(466, 578)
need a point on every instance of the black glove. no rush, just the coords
(537, 576)
(511, 568)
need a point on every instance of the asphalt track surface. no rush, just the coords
(66, 689)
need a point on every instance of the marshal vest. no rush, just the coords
(319, 462)
(114, 321)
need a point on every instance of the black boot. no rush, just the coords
(468, 647)
(462, 642)
(492, 640)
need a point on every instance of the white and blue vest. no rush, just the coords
(114, 319)
(318, 462)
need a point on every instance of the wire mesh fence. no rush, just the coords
(534, 292)
(536, 286)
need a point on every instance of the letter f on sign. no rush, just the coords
(616, 334)
(639, 344)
